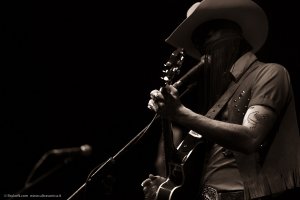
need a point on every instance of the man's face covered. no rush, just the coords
(221, 41)
(213, 35)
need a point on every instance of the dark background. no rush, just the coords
(75, 73)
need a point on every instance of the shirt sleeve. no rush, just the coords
(271, 87)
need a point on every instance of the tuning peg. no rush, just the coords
(167, 64)
(165, 71)
(165, 78)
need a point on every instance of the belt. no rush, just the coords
(210, 193)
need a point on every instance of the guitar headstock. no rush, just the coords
(172, 66)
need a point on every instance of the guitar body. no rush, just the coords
(185, 175)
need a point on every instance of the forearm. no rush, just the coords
(232, 136)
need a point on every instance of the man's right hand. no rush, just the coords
(150, 186)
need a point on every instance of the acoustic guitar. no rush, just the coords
(184, 162)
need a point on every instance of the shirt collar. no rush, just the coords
(242, 64)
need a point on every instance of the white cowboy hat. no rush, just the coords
(247, 14)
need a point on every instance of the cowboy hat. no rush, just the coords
(247, 14)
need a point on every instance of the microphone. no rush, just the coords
(83, 150)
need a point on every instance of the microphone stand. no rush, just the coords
(113, 159)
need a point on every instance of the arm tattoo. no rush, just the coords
(255, 118)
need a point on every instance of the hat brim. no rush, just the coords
(250, 17)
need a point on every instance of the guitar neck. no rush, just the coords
(170, 150)
(172, 68)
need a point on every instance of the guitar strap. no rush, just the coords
(217, 107)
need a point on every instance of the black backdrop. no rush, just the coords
(75, 73)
